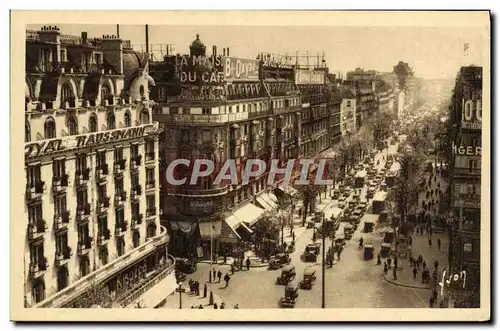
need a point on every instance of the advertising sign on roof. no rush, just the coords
(240, 69)
(304, 76)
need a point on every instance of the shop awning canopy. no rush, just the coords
(249, 214)
(268, 201)
(210, 230)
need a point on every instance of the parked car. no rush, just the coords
(185, 265)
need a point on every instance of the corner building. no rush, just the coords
(91, 162)
(465, 182)
(220, 107)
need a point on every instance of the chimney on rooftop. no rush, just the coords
(84, 36)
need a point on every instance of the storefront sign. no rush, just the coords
(472, 114)
(200, 69)
(240, 69)
(466, 150)
(276, 61)
(201, 207)
(309, 77)
(131, 277)
(452, 280)
(44, 147)
(203, 76)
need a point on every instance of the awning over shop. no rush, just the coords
(228, 234)
(246, 228)
(268, 201)
(157, 293)
(287, 189)
(210, 230)
(186, 227)
(249, 214)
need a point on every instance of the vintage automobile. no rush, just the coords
(180, 276)
(342, 202)
(346, 193)
(368, 252)
(352, 204)
(363, 205)
(369, 225)
(385, 249)
(358, 212)
(287, 274)
(310, 224)
(279, 260)
(371, 192)
(336, 194)
(308, 279)
(348, 231)
(311, 252)
(185, 265)
(339, 241)
(291, 295)
(354, 220)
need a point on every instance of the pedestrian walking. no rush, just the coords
(200, 307)
(227, 279)
(396, 262)
(389, 261)
(215, 305)
(431, 301)
(219, 275)
(385, 268)
(379, 262)
(214, 274)
(394, 274)
(248, 263)
(222, 305)
(430, 242)
(232, 268)
(293, 236)
(205, 290)
(424, 264)
(197, 288)
(439, 244)
(414, 273)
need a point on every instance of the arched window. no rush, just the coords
(136, 239)
(126, 119)
(62, 278)
(38, 290)
(67, 95)
(50, 128)
(27, 132)
(84, 266)
(151, 230)
(141, 90)
(93, 123)
(72, 124)
(144, 117)
(106, 94)
(111, 121)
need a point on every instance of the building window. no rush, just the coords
(136, 239)
(150, 177)
(67, 95)
(206, 111)
(348, 103)
(141, 91)
(58, 168)
(27, 132)
(62, 278)
(111, 121)
(103, 255)
(84, 266)
(50, 128)
(98, 60)
(38, 290)
(126, 119)
(150, 150)
(93, 123)
(151, 230)
(106, 94)
(72, 124)
(120, 246)
(144, 117)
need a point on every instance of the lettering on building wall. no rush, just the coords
(199, 69)
(276, 61)
(129, 278)
(309, 77)
(466, 150)
(472, 114)
(240, 69)
(45, 147)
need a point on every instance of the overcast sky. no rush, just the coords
(433, 52)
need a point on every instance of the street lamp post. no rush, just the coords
(180, 290)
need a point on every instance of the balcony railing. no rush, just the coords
(203, 192)
(135, 162)
(61, 220)
(34, 191)
(83, 212)
(136, 192)
(38, 268)
(121, 229)
(120, 197)
(103, 237)
(60, 182)
(150, 185)
(82, 176)
(37, 229)
(103, 204)
(150, 156)
(151, 212)
(137, 220)
(120, 166)
(102, 172)
(63, 256)
(85, 246)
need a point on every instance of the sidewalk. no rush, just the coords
(429, 254)
(192, 300)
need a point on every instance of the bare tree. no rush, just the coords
(403, 71)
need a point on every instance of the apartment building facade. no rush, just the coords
(91, 159)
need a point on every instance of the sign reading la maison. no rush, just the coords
(200, 69)
(44, 147)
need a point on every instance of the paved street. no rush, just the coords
(351, 283)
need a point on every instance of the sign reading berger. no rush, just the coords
(303, 76)
(236, 69)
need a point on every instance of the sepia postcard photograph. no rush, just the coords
(285, 165)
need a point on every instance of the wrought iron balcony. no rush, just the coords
(37, 229)
(82, 176)
(35, 191)
(136, 192)
(60, 183)
(61, 220)
(63, 256)
(38, 268)
(103, 237)
(103, 204)
(150, 157)
(83, 212)
(102, 172)
(135, 162)
(121, 229)
(85, 246)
